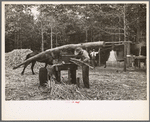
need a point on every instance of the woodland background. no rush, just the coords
(43, 26)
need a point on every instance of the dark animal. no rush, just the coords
(45, 58)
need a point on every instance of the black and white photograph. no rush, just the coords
(75, 54)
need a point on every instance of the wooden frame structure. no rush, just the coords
(126, 45)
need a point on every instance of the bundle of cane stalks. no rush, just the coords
(64, 91)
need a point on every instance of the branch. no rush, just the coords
(113, 28)
(132, 21)
(111, 14)
(108, 32)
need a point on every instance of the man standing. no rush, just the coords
(93, 57)
(83, 55)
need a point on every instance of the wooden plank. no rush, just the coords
(76, 63)
(117, 42)
(80, 62)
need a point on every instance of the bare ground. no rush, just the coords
(105, 84)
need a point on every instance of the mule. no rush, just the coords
(45, 58)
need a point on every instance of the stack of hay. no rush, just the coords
(15, 57)
(64, 91)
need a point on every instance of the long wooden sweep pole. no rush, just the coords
(69, 46)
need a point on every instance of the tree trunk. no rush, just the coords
(86, 35)
(20, 37)
(16, 45)
(125, 45)
(57, 49)
(119, 30)
(42, 46)
(91, 35)
(138, 36)
(99, 55)
(56, 37)
(51, 38)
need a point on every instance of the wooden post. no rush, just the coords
(73, 76)
(128, 48)
(140, 50)
(139, 66)
(57, 75)
(85, 76)
(125, 54)
(78, 82)
(128, 53)
(69, 75)
(99, 57)
(43, 76)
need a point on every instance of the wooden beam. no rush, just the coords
(128, 53)
(119, 42)
(57, 49)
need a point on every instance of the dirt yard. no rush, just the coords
(105, 84)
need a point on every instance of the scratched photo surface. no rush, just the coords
(76, 52)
